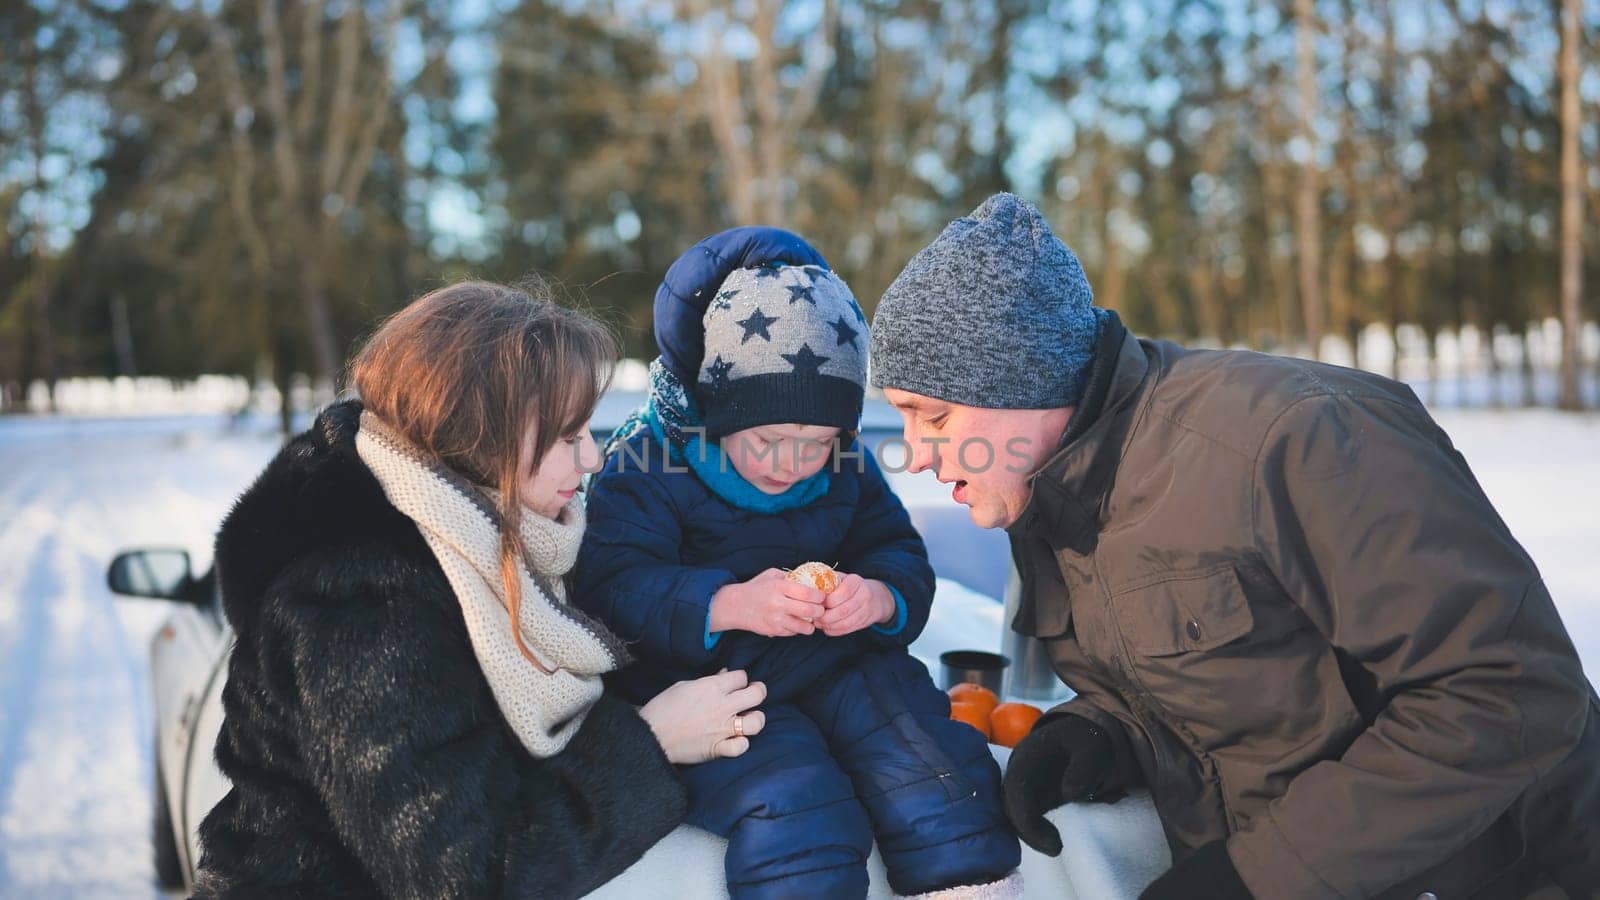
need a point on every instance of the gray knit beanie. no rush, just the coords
(783, 344)
(995, 313)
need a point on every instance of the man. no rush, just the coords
(1284, 603)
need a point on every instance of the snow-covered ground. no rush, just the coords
(75, 735)
(76, 762)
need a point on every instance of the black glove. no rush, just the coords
(1062, 760)
(1207, 874)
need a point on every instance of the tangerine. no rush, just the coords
(975, 693)
(973, 714)
(819, 575)
(1011, 722)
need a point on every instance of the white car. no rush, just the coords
(189, 654)
(188, 666)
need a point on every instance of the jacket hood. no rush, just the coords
(690, 283)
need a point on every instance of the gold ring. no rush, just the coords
(738, 726)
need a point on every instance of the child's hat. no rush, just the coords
(782, 344)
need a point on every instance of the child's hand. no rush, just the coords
(855, 604)
(767, 605)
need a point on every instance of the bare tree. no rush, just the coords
(1571, 209)
(1307, 193)
(1276, 174)
(42, 338)
(321, 140)
(1396, 199)
(889, 105)
(754, 119)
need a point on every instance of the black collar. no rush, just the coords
(1069, 490)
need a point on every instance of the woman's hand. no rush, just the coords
(855, 604)
(768, 605)
(708, 717)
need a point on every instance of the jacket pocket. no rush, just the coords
(1185, 612)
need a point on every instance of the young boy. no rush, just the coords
(743, 464)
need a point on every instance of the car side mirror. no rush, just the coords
(164, 574)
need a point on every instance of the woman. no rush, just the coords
(388, 731)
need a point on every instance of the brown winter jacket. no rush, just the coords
(1280, 588)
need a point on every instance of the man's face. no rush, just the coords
(987, 454)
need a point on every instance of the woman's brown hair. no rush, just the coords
(463, 371)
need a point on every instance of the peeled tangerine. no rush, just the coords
(819, 575)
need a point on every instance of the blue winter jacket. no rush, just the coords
(660, 543)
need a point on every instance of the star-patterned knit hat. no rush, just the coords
(784, 344)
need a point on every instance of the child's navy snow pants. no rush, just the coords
(868, 752)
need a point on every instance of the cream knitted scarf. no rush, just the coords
(461, 527)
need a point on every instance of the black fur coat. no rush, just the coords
(367, 754)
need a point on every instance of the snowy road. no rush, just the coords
(75, 741)
(76, 762)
